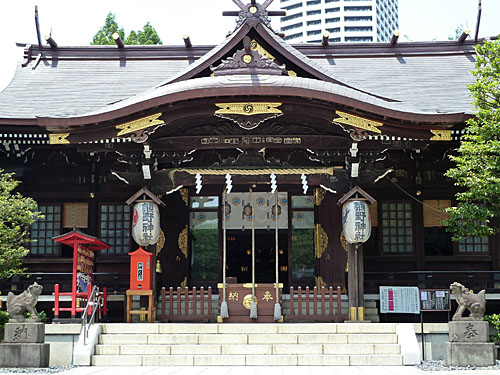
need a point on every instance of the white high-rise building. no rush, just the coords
(345, 20)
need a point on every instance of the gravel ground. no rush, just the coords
(439, 366)
(48, 370)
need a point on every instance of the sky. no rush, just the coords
(73, 22)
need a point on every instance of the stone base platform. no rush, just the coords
(24, 355)
(470, 354)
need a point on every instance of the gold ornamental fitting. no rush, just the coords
(247, 301)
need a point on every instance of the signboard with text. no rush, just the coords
(399, 299)
(435, 300)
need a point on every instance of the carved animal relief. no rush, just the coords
(467, 300)
(17, 306)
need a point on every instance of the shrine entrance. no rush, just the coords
(241, 227)
(239, 256)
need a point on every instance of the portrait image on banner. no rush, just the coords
(238, 210)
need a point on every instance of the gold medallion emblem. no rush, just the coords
(247, 301)
(247, 59)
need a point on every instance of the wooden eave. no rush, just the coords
(77, 237)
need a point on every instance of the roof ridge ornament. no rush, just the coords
(253, 10)
(248, 61)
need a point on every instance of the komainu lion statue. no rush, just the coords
(25, 302)
(475, 303)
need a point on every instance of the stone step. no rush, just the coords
(261, 328)
(247, 360)
(243, 338)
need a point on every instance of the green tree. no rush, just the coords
(458, 31)
(477, 168)
(104, 36)
(17, 213)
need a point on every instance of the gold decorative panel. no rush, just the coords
(185, 196)
(319, 195)
(319, 282)
(142, 123)
(434, 212)
(58, 139)
(248, 109)
(183, 241)
(257, 47)
(321, 241)
(184, 283)
(161, 242)
(358, 122)
(441, 135)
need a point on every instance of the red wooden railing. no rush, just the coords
(311, 306)
(84, 298)
(189, 305)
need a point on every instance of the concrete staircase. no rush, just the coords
(248, 344)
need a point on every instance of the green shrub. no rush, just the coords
(495, 320)
(42, 315)
(4, 318)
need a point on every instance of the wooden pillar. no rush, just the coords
(356, 281)
(352, 289)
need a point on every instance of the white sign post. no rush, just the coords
(399, 299)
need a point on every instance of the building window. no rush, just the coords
(313, 12)
(334, 30)
(358, 39)
(114, 228)
(331, 20)
(315, 22)
(313, 32)
(331, 1)
(302, 237)
(397, 236)
(44, 229)
(291, 27)
(473, 245)
(332, 10)
(293, 36)
(294, 6)
(291, 17)
(313, 2)
(358, 19)
(357, 9)
(358, 28)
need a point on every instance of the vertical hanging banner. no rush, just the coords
(263, 205)
(146, 223)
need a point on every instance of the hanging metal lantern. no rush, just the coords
(356, 221)
(146, 223)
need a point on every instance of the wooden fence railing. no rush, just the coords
(187, 305)
(307, 305)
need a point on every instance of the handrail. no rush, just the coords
(94, 300)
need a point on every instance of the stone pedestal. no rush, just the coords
(468, 345)
(24, 346)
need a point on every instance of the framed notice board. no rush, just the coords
(435, 300)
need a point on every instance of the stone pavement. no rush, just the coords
(264, 370)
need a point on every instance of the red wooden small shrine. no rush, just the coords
(84, 246)
(140, 270)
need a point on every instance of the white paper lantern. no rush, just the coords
(356, 221)
(146, 223)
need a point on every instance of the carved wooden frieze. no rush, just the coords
(321, 241)
(140, 129)
(59, 139)
(358, 126)
(441, 135)
(248, 115)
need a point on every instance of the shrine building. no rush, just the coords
(251, 145)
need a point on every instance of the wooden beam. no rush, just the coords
(326, 35)
(231, 13)
(464, 36)
(187, 41)
(118, 40)
(50, 41)
(278, 13)
(395, 37)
